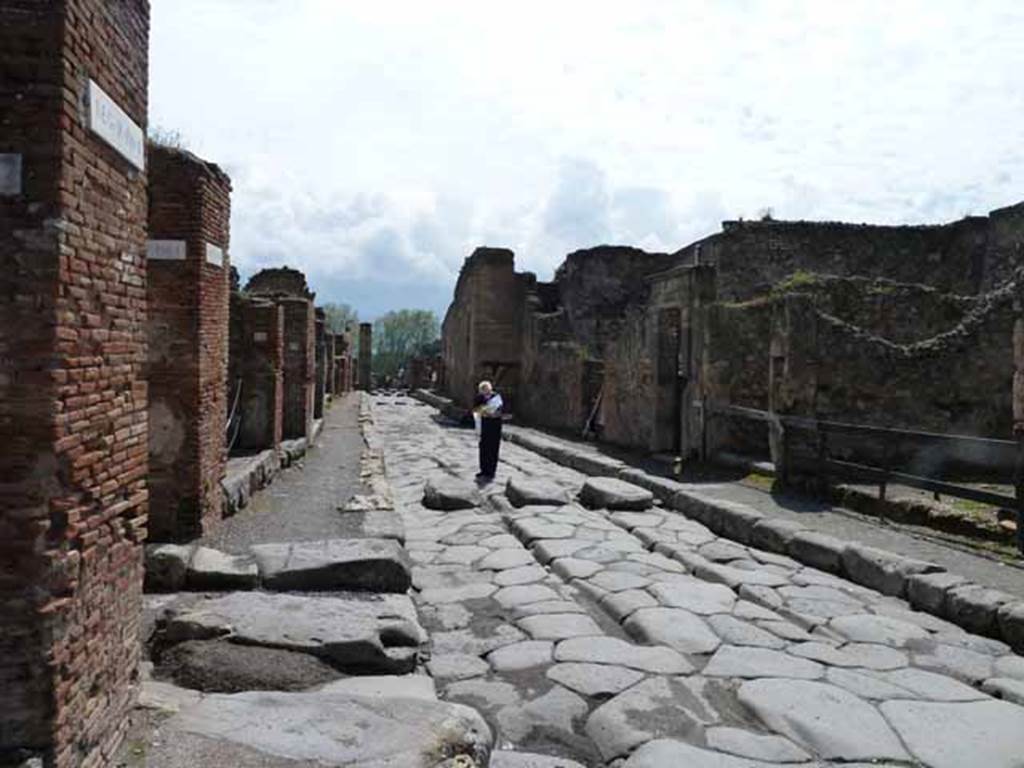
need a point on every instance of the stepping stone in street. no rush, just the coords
(212, 570)
(611, 493)
(599, 680)
(377, 634)
(823, 718)
(449, 494)
(523, 492)
(942, 735)
(684, 631)
(530, 529)
(329, 728)
(611, 650)
(166, 565)
(558, 626)
(379, 565)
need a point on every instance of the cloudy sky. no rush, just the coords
(375, 144)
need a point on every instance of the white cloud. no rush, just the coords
(376, 144)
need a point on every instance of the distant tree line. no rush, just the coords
(402, 335)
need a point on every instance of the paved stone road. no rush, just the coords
(641, 639)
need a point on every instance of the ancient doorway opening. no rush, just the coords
(670, 379)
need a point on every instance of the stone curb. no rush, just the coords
(927, 586)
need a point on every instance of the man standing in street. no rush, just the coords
(487, 410)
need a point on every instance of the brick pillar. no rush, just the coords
(330, 384)
(365, 357)
(320, 346)
(187, 303)
(299, 337)
(73, 493)
(257, 366)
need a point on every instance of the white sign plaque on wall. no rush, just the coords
(165, 250)
(214, 255)
(10, 174)
(112, 124)
(259, 336)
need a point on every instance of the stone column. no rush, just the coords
(320, 347)
(72, 390)
(365, 357)
(299, 366)
(187, 326)
(330, 387)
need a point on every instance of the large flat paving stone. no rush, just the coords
(504, 759)
(756, 746)
(661, 707)
(524, 492)
(671, 753)
(376, 634)
(333, 728)
(558, 626)
(695, 595)
(828, 720)
(611, 493)
(884, 630)
(674, 627)
(750, 662)
(599, 680)
(378, 565)
(612, 650)
(956, 735)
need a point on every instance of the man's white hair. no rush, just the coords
(484, 386)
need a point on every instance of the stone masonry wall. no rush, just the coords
(257, 361)
(72, 395)
(188, 343)
(752, 256)
(320, 369)
(299, 338)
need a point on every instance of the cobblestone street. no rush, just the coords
(642, 639)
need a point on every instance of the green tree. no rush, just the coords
(399, 336)
(341, 317)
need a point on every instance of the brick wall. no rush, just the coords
(72, 395)
(299, 338)
(330, 384)
(190, 207)
(257, 362)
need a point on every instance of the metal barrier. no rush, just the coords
(825, 466)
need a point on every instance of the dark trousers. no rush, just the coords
(490, 442)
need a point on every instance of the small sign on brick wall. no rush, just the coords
(214, 255)
(293, 346)
(259, 336)
(165, 250)
(10, 174)
(112, 124)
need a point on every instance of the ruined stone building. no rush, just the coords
(905, 326)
